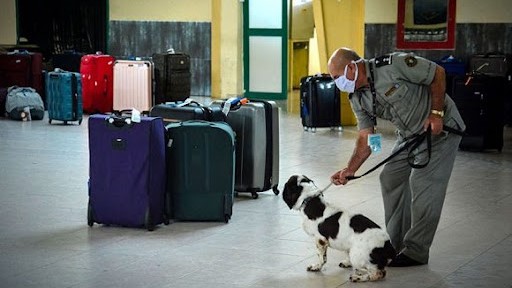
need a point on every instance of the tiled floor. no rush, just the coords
(45, 240)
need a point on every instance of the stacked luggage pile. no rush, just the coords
(184, 161)
(154, 154)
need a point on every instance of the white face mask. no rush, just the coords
(344, 84)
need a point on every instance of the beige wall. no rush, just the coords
(7, 22)
(161, 10)
(468, 11)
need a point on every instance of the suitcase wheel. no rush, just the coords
(276, 191)
(49, 121)
(90, 219)
(226, 218)
(254, 195)
(148, 222)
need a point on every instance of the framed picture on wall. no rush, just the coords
(426, 24)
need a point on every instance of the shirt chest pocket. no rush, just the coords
(396, 98)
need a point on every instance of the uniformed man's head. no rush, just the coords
(343, 68)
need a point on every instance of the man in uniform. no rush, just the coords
(409, 91)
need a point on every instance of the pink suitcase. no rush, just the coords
(133, 85)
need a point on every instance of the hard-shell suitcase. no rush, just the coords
(201, 170)
(319, 102)
(64, 96)
(23, 69)
(188, 110)
(256, 126)
(68, 61)
(172, 77)
(127, 171)
(498, 65)
(133, 85)
(97, 82)
(481, 104)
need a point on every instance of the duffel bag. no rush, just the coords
(24, 103)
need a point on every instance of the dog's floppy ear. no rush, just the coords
(292, 191)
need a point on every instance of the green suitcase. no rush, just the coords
(201, 171)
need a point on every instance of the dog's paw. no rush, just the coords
(314, 267)
(345, 264)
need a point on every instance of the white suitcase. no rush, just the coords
(133, 85)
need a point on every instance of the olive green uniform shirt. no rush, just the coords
(403, 94)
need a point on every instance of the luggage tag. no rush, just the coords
(375, 142)
(135, 116)
(226, 108)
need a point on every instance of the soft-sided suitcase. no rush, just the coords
(23, 69)
(3, 99)
(201, 170)
(188, 110)
(319, 102)
(256, 126)
(24, 103)
(480, 101)
(97, 82)
(172, 77)
(133, 85)
(68, 61)
(126, 171)
(64, 96)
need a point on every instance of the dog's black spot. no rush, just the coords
(291, 191)
(314, 208)
(331, 226)
(381, 256)
(360, 223)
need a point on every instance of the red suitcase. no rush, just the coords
(97, 72)
(24, 69)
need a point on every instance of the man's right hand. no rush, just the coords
(340, 177)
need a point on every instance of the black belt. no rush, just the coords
(412, 144)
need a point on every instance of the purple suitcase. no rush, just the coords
(126, 171)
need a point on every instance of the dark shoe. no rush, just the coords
(402, 260)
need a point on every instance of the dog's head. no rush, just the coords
(298, 188)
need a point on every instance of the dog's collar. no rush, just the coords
(306, 200)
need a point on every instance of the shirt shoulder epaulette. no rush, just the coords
(383, 60)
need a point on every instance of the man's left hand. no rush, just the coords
(435, 122)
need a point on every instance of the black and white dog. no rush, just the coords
(365, 246)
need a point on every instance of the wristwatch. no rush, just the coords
(437, 112)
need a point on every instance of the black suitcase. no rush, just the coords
(480, 100)
(319, 102)
(172, 77)
(188, 110)
(499, 65)
(68, 61)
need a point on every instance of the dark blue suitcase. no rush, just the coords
(126, 171)
(201, 170)
(319, 102)
(64, 96)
